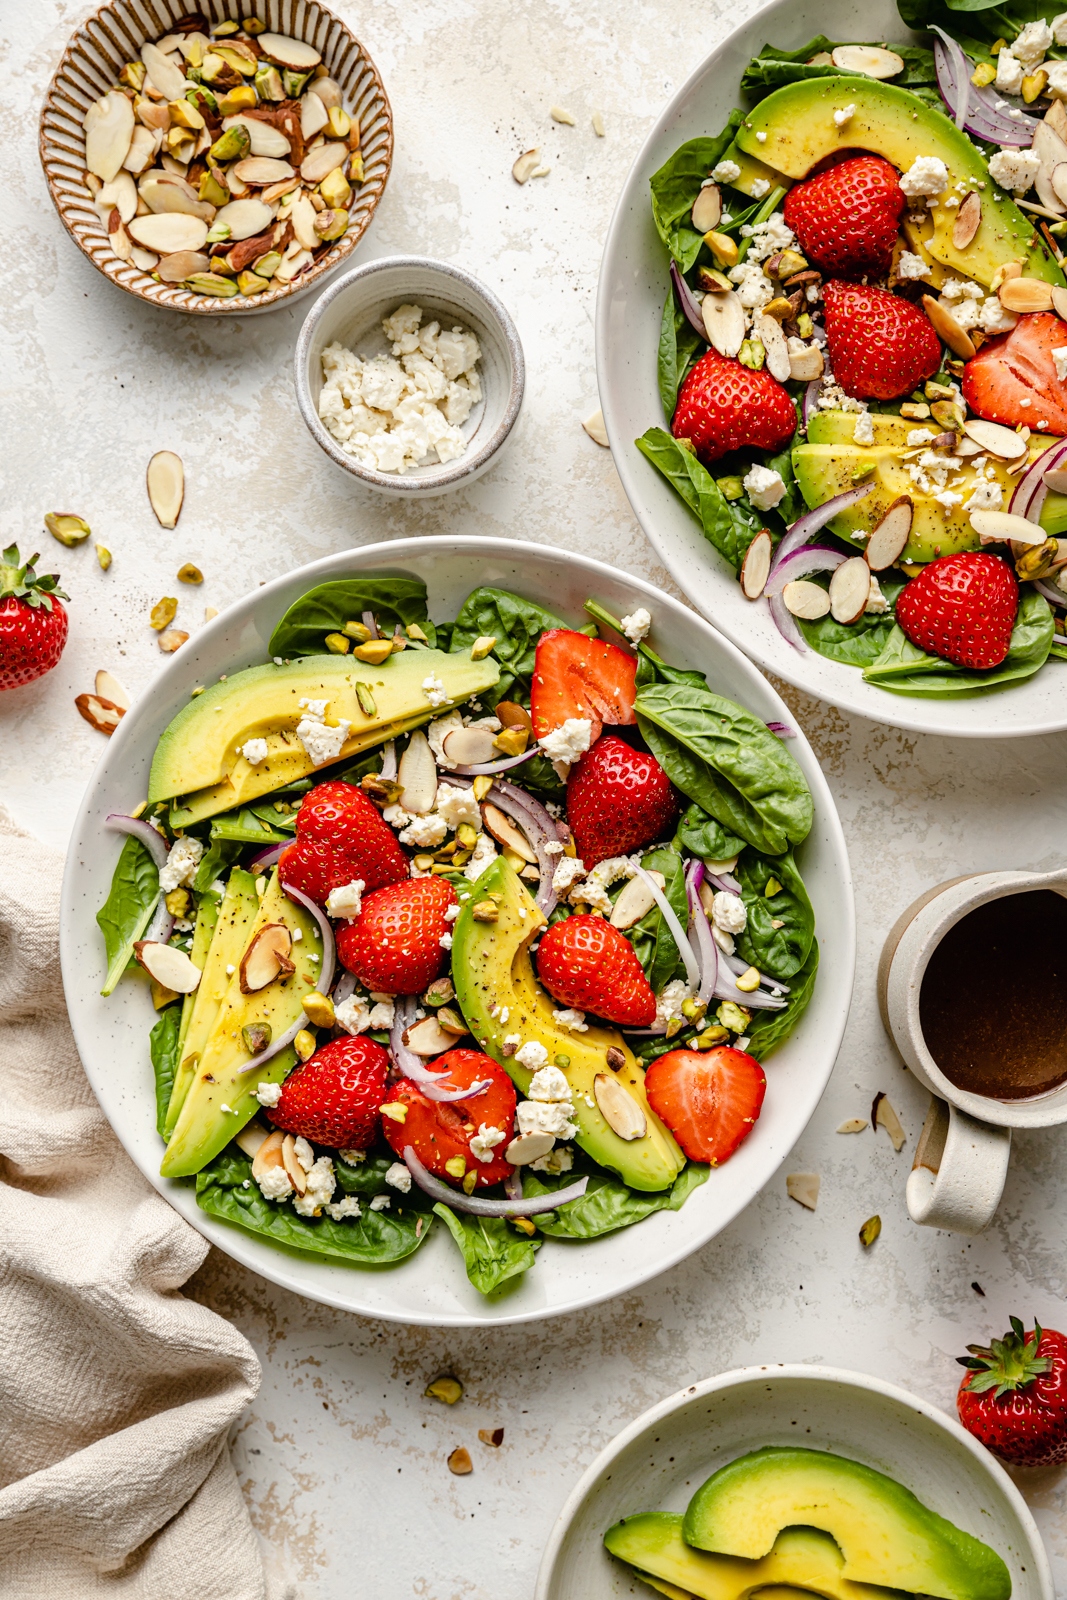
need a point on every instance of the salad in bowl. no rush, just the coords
(486, 924)
(862, 361)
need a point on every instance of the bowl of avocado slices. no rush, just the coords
(790, 1480)
(314, 763)
(812, 415)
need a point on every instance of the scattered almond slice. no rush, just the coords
(890, 535)
(109, 687)
(995, 438)
(635, 901)
(850, 588)
(756, 566)
(165, 479)
(288, 52)
(266, 958)
(459, 1462)
(948, 329)
(428, 1038)
(594, 427)
(997, 527)
(1025, 295)
(268, 1156)
(172, 639)
(806, 365)
(806, 599)
(540, 172)
(883, 1116)
(869, 59)
(468, 747)
(525, 165)
(168, 965)
(853, 1125)
(598, 124)
(251, 1139)
(561, 114)
(108, 132)
(707, 208)
(968, 221)
(297, 1175)
(167, 232)
(803, 1187)
(504, 831)
(724, 321)
(618, 1107)
(99, 713)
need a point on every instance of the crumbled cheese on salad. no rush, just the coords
(1009, 79)
(911, 266)
(754, 288)
(760, 187)
(565, 744)
(1056, 88)
(985, 496)
(321, 742)
(845, 114)
(1032, 43)
(574, 1021)
(877, 603)
(485, 1142)
(557, 1161)
(353, 1014)
(671, 998)
(927, 176)
(426, 832)
(764, 486)
(728, 912)
(863, 433)
(346, 901)
(434, 690)
(275, 1184)
(726, 172)
(484, 852)
(532, 1055)
(1059, 361)
(994, 317)
(1015, 169)
(398, 1177)
(348, 1207)
(254, 751)
(179, 869)
(268, 1094)
(767, 238)
(637, 624)
(456, 806)
(568, 870)
(320, 1185)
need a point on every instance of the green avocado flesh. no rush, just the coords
(492, 972)
(219, 1096)
(886, 1536)
(798, 122)
(199, 754)
(801, 1559)
(825, 466)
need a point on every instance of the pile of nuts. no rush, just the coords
(223, 160)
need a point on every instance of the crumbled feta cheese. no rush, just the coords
(565, 744)
(911, 266)
(760, 187)
(348, 1207)
(179, 869)
(439, 730)
(454, 806)
(986, 496)
(1033, 41)
(726, 172)
(268, 1094)
(381, 1202)
(553, 848)
(320, 1185)
(546, 1116)
(1059, 361)
(877, 603)
(671, 998)
(594, 891)
(1015, 169)
(485, 1141)
(764, 487)
(398, 1177)
(304, 1153)
(833, 398)
(918, 437)
(346, 901)
(863, 432)
(353, 1014)
(557, 1161)
(445, 941)
(321, 742)
(966, 313)
(254, 751)
(767, 238)
(548, 1083)
(381, 1014)
(845, 114)
(927, 175)
(427, 832)
(434, 690)
(275, 1184)
(483, 855)
(1009, 79)
(947, 498)
(728, 912)
(532, 1055)
(568, 870)
(451, 913)
(754, 288)
(396, 816)
(573, 1021)
(637, 624)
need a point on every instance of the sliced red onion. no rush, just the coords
(268, 857)
(685, 949)
(409, 1065)
(706, 951)
(152, 840)
(1055, 597)
(370, 624)
(782, 730)
(755, 999)
(809, 558)
(329, 949)
(950, 64)
(785, 622)
(513, 1184)
(807, 526)
(1031, 489)
(478, 1207)
(487, 768)
(975, 109)
(275, 1047)
(723, 881)
(1015, 130)
(541, 828)
(388, 771)
(688, 302)
(344, 988)
(810, 405)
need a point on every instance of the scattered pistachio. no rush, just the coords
(172, 639)
(177, 902)
(494, 1437)
(396, 1111)
(511, 741)
(439, 993)
(187, 573)
(853, 1125)
(771, 888)
(413, 631)
(103, 555)
(870, 1231)
(163, 613)
(318, 1009)
(460, 1462)
(485, 911)
(68, 528)
(337, 644)
(482, 646)
(481, 786)
(367, 703)
(710, 1037)
(374, 651)
(803, 1187)
(883, 1115)
(256, 1037)
(304, 1044)
(615, 1058)
(730, 488)
(356, 630)
(748, 981)
(456, 1166)
(733, 1016)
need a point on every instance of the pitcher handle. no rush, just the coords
(960, 1169)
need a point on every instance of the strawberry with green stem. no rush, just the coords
(33, 623)
(1014, 1397)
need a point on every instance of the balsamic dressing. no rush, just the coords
(993, 1002)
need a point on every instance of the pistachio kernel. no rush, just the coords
(304, 1044)
(367, 703)
(187, 573)
(69, 529)
(870, 1231)
(256, 1037)
(318, 1008)
(163, 613)
(358, 631)
(103, 555)
(337, 644)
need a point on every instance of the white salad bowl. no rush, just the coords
(659, 1461)
(633, 286)
(431, 1287)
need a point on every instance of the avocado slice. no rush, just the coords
(802, 1557)
(198, 754)
(203, 1127)
(491, 968)
(793, 129)
(886, 1535)
(826, 464)
(231, 917)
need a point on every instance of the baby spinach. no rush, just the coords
(126, 912)
(325, 609)
(701, 835)
(905, 669)
(214, 863)
(365, 1178)
(679, 347)
(728, 761)
(516, 624)
(778, 951)
(1058, 648)
(676, 185)
(768, 1028)
(772, 68)
(729, 525)
(651, 938)
(247, 826)
(492, 1253)
(855, 644)
(607, 1204)
(374, 1238)
(163, 1048)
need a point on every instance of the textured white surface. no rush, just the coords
(343, 1461)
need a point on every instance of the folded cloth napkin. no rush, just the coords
(116, 1392)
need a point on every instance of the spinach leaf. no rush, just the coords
(214, 863)
(246, 826)
(679, 346)
(728, 761)
(516, 624)
(905, 669)
(126, 912)
(729, 525)
(769, 1028)
(701, 835)
(652, 669)
(855, 644)
(492, 1253)
(366, 1177)
(772, 68)
(1058, 650)
(607, 1203)
(651, 938)
(326, 609)
(163, 1047)
(792, 504)
(373, 1238)
(981, 32)
(779, 951)
(676, 185)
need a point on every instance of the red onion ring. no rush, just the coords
(1055, 597)
(329, 949)
(161, 925)
(486, 768)
(541, 828)
(343, 988)
(706, 950)
(688, 302)
(782, 730)
(513, 1184)
(678, 933)
(370, 624)
(807, 526)
(723, 881)
(268, 857)
(1031, 489)
(785, 622)
(409, 1065)
(974, 109)
(489, 1208)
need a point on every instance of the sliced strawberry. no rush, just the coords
(709, 1099)
(584, 962)
(394, 946)
(440, 1131)
(333, 1098)
(618, 799)
(1013, 379)
(575, 676)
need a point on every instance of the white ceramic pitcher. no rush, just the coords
(962, 1158)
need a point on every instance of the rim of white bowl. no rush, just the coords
(453, 473)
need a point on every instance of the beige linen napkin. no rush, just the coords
(116, 1392)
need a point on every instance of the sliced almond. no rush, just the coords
(995, 438)
(289, 52)
(806, 365)
(251, 1139)
(756, 566)
(596, 429)
(428, 1038)
(505, 832)
(776, 351)
(1058, 181)
(319, 163)
(850, 587)
(1050, 146)
(724, 322)
(1056, 118)
(803, 1187)
(417, 776)
(1025, 295)
(707, 208)
(163, 194)
(266, 958)
(269, 1154)
(884, 1116)
(108, 132)
(182, 264)
(997, 527)
(635, 901)
(618, 1107)
(259, 171)
(806, 599)
(109, 688)
(168, 232)
(147, 260)
(526, 165)
(328, 91)
(948, 329)
(889, 536)
(1059, 294)
(118, 238)
(120, 192)
(165, 480)
(869, 59)
(296, 1173)
(853, 1125)
(528, 1147)
(302, 216)
(1056, 480)
(99, 712)
(968, 221)
(244, 218)
(313, 115)
(162, 72)
(167, 965)
(469, 747)
(264, 140)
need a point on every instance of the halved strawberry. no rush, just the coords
(575, 676)
(1013, 379)
(709, 1099)
(440, 1131)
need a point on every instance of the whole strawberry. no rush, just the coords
(333, 1098)
(394, 946)
(962, 608)
(724, 406)
(33, 623)
(340, 837)
(618, 799)
(880, 346)
(846, 219)
(1014, 1397)
(584, 962)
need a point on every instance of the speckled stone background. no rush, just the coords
(342, 1459)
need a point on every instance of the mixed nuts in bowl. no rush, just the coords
(223, 164)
